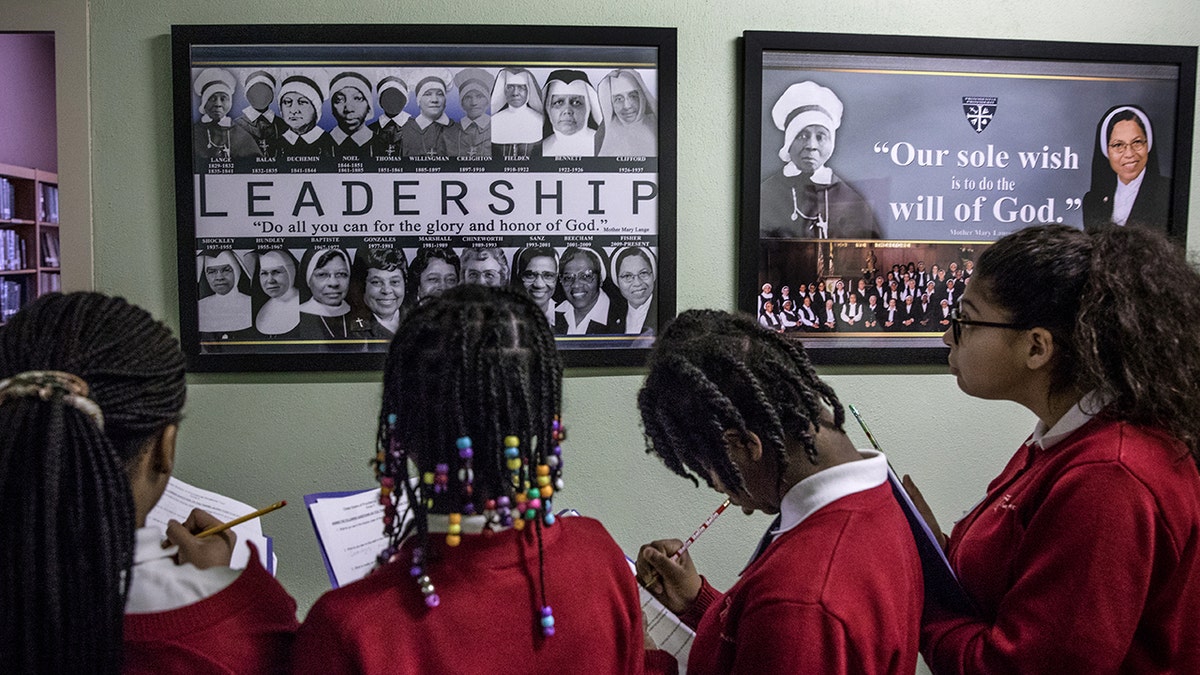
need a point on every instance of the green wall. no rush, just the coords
(261, 438)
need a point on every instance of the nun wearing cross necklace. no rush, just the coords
(323, 312)
(806, 199)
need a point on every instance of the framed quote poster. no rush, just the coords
(877, 168)
(329, 178)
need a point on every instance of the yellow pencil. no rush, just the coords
(216, 529)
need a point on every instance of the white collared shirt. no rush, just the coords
(159, 585)
(635, 317)
(829, 485)
(1080, 414)
(360, 137)
(253, 113)
(599, 314)
(309, 136)
(1124, 197)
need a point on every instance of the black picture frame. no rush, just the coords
(598, 193)
(941, 146)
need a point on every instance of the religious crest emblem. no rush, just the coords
(979, 110)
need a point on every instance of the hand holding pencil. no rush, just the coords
(205, 541)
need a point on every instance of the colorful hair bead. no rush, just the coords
(423, 581)
(454, 532)
(547, 621)
(503, 512)
(466, 473)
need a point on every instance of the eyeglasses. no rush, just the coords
(490, 276)
(546, 277)
(586, 276)
(957, 322)
(1118, 147)
(645, 276)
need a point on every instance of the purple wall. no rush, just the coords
(28, 134)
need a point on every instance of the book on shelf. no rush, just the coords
(51, 282)
(13, 253)
(12, 296)
(7, 196)
(49, 203)
(50, 248)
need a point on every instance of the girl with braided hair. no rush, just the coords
(481, 577)
(91, 389)
(1084, 555)
(836, 586)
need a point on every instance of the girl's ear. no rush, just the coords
(1041, 348)
(745, 446)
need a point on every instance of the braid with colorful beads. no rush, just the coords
(472, 388)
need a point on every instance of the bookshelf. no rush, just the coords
(29, 243)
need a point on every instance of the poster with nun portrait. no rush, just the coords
(331, 178)
(877, 168)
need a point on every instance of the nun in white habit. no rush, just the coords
(630, 114)
(228, 308)
(277, 279)
(573, 111)
(517, 116)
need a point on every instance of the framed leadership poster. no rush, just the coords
(331, 178)
(877, 168)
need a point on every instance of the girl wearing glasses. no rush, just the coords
(537, 273)
(1084, 556)
(1126, 186)
(634, 269)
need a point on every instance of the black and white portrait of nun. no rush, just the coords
(392, 92)
(425, 134)
(572, 115)
(805, 198)
(350, 102)
(517, 116)
(257, 120)
(1126, 188)
(471, 136)
(224, 305)
(630, 114)
(636, 271)
(211, 134)
(277, 296)
(327, 283)
(301, 95)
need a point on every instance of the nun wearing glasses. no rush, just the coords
(1126, 188)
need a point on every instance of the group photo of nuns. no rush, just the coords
(354, 297)
(350, 116)
(910, 297)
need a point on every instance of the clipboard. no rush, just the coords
(941, 583)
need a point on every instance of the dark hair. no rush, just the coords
(1120, 305)
(421, 260)
(525, 256)
(67, 535)
(386, 259)
(1102, 173)
(479, 362)
(712, 372)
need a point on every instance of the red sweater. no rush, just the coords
(839, 593)
(486, 622)
(1083, 558)
(247, 627)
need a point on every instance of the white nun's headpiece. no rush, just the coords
(802, 104)
(605, 91)
(568, 82)
(310, 84)
(508, 76)
(211, 81)
(1141, 117)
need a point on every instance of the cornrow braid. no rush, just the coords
(712, 372)
(475, 363)
(66, 538)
